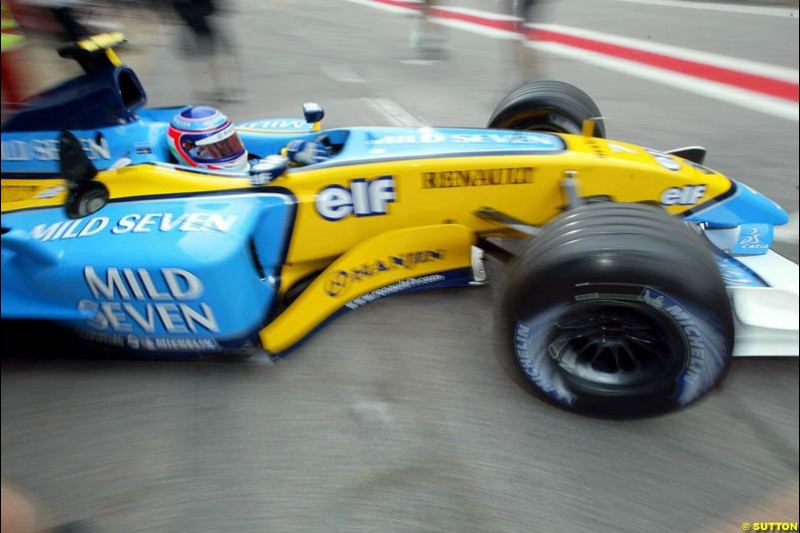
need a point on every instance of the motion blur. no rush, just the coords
(403, 417)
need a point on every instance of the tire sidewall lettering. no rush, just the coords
(703, 344)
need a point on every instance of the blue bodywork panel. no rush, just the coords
(743, 205)
(744, 219)
(735, 274)
(404, 143)
(176, 295)
(31, 154)
(97, 99)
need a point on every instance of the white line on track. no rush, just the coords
(342, 74)
(494, 33)
(733, 63)
(769, 105)
(393, 112)
(384, 7)
(776, 11)
(478, 13)
(762, 103)
(425, 62)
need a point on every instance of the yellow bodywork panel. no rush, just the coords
(387, 263)
(26, 193)
(128, 182)
(103, 41)
(524, 187)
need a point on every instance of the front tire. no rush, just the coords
(618, 310)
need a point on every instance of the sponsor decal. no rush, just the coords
(619, 149)
(705, 358)
(111, 339)
(339, 282)
(735, 274)
(142, 149)
(692, 333)
(527, 342)
(362, 198)
(276, 124)
(394, 288)
(477, 177)
(172, 344)
(754, 239)
(698, 166)
(48, 149)
(665, 160)
(137, 299)
(160, 344)
(133, 223)
(424, 136)
(686, 195)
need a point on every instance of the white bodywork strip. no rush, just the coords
(766, 318)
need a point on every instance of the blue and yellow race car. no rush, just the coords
(639, 273)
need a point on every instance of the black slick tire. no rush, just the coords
(618, 310)
(552, 106)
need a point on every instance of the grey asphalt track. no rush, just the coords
(400, 416)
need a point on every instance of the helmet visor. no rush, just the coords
(217, 148)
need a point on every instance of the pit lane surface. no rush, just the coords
(398, 417)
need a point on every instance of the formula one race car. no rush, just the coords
(642, 272)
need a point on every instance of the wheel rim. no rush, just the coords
(614, 347)
(545, 129)
(545, 121)
(91, 202)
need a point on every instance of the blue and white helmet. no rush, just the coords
(203, 137)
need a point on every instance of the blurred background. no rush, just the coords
(401, 418)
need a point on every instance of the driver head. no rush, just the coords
(203, 137)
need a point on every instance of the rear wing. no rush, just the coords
(108, 94)
(95, 52)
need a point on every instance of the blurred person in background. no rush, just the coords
(526, 13)
(64, 13)
(11, 66)
(427, 37)
(209, 50)
(65, 18)
(42, 25)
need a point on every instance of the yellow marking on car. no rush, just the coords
(383, 260)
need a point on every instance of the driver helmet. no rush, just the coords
(203, 137)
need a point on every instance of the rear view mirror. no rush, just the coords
(85, 197)
(75, 164)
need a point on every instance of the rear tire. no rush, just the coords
(618, 310)
(553, 106)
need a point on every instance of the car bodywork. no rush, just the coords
(189, 261)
